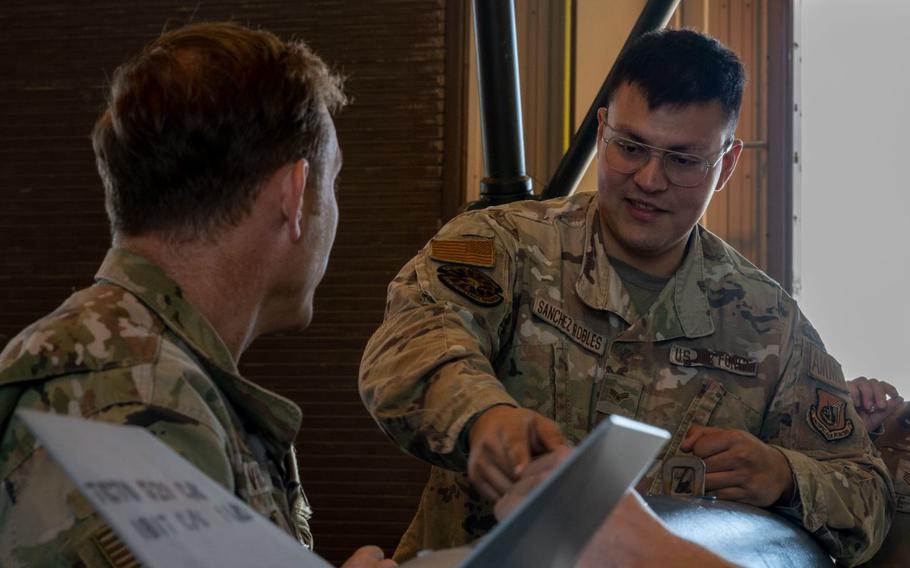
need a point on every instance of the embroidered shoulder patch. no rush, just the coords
(828, 416)
(691, 357)
(476, 252)
(577, 331)
(470, 283)
(824, 367)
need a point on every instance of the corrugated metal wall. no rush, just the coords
(739, 213)
(55, 58)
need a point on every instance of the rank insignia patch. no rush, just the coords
(828, 416)
(470, 283)
(616, 396)
(476, 252)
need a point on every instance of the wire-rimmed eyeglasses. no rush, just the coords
(684, 170)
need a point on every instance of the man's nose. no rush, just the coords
(651, 176)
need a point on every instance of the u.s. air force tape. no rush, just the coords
(701, 357)
(577, 332)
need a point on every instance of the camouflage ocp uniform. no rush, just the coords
(132, 350)
(893, 441)
(520, 305)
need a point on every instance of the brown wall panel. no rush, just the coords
(55, 58)
(738, 213)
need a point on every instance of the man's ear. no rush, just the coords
(728, 164)
(292, 197)
(601, 121)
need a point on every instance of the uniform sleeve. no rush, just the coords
(44, 519)
(843, 494)
(427, 370)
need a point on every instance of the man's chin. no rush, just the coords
(294, 321)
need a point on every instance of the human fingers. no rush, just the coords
(547, 462)
(866, 395)
(714, 441)
(724, 479)
(723, 461)
(368, 557)
(490, 480)
(490, 468)
(856, 394)
(518, 493)
(494, 445)
(694, 433)
(877, 391)
(516, 444)
(880, 391)
(545, 434)
(485, 473)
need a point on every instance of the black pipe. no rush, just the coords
(505, 179)
(571, 168)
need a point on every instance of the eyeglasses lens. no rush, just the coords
(627, 157)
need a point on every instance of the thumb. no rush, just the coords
(369, 557)
(545, 435)
(692, 436)
(368, 553)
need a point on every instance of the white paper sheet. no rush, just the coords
(167, 512)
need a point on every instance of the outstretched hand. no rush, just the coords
(502, 442)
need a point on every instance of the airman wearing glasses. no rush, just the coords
(516, 329)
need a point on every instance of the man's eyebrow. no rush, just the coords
(629, 133)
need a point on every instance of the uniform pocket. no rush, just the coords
(528, 375)
(734, 412)
(545, 378)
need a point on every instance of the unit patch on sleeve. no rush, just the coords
(476, 252)
(554, 315)
(690, 357)
(828, 416)
(470, 283)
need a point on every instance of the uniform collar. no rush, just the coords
(681, 310)
(275, 414)
(163, 296)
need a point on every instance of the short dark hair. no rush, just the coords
(680, 67)
(200, 118)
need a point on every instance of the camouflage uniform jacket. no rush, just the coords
(519, 305)
(132, 350)
(893, 441)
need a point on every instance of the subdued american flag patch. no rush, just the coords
(476, 252)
